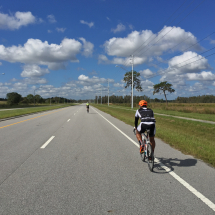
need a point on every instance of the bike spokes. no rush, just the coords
(150, 158)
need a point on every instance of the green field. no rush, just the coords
(29, 110)
(190, 137)
(194, 115)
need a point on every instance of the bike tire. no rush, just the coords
(150, 158)
(143, 156)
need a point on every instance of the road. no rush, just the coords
(67, 161)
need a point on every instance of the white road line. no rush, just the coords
(68, 120)
(47, 142)
(174, 175)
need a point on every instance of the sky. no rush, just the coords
(74, 49)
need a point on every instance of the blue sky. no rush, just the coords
(71, 48)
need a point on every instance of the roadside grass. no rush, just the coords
(208, 117)
(4, 105)
(18, 112)
(193, 138)
(200, 108)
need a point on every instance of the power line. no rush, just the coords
(172, 27)
(180, 66)
(187, 47)
(159, 33)
(169, 24)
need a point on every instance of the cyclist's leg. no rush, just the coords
(152, 141)
(138, 136)
(152, 135)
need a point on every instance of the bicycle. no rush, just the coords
(87, 110)
(148, 154)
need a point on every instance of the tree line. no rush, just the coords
(127, 99)
(15, 98)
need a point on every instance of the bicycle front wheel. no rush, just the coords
(150, 158)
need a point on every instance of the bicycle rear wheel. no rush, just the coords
(150, 158)
(143, 156)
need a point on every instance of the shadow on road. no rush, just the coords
(171, 162)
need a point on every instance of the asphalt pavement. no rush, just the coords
(68, 161)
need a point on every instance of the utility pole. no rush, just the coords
(132, 81)
(101, 96)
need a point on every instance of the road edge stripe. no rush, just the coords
(168, 170)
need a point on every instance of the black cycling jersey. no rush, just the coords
(146, 115)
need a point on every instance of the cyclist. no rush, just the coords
(87, 106)
(147, 122)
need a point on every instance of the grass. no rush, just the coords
(193, 138)
(201, 108)
(171, 111)
(18, 112)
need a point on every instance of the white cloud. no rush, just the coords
(17, 20)
(0, 63)
(136, 42)
(108, 18)
(212, 41)
(34, 51)
(60, 29)
(146, 73)
(120, 27)
(34, 80)
(88, 47)
(203, 76)
(147, 86)
(86, 81)
(196, 87)
(33, 71)
(51, 18)
(118, 85)
(49, 31)
(102, 59)
(90, 24)
(188, 62)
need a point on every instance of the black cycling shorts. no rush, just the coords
(151, 127)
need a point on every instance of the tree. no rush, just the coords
(136, 80)
(163, 86)
(13, 98)
(38, 98)
(30, 98)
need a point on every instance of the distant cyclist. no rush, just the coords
(146, 116)
(87, 106)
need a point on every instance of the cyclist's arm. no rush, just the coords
(136, 119)
(136, 122)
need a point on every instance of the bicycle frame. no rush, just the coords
(148, 154)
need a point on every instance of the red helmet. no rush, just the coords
(143, 103)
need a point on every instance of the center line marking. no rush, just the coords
(68, 120)
(47, 142)
(168, 170)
